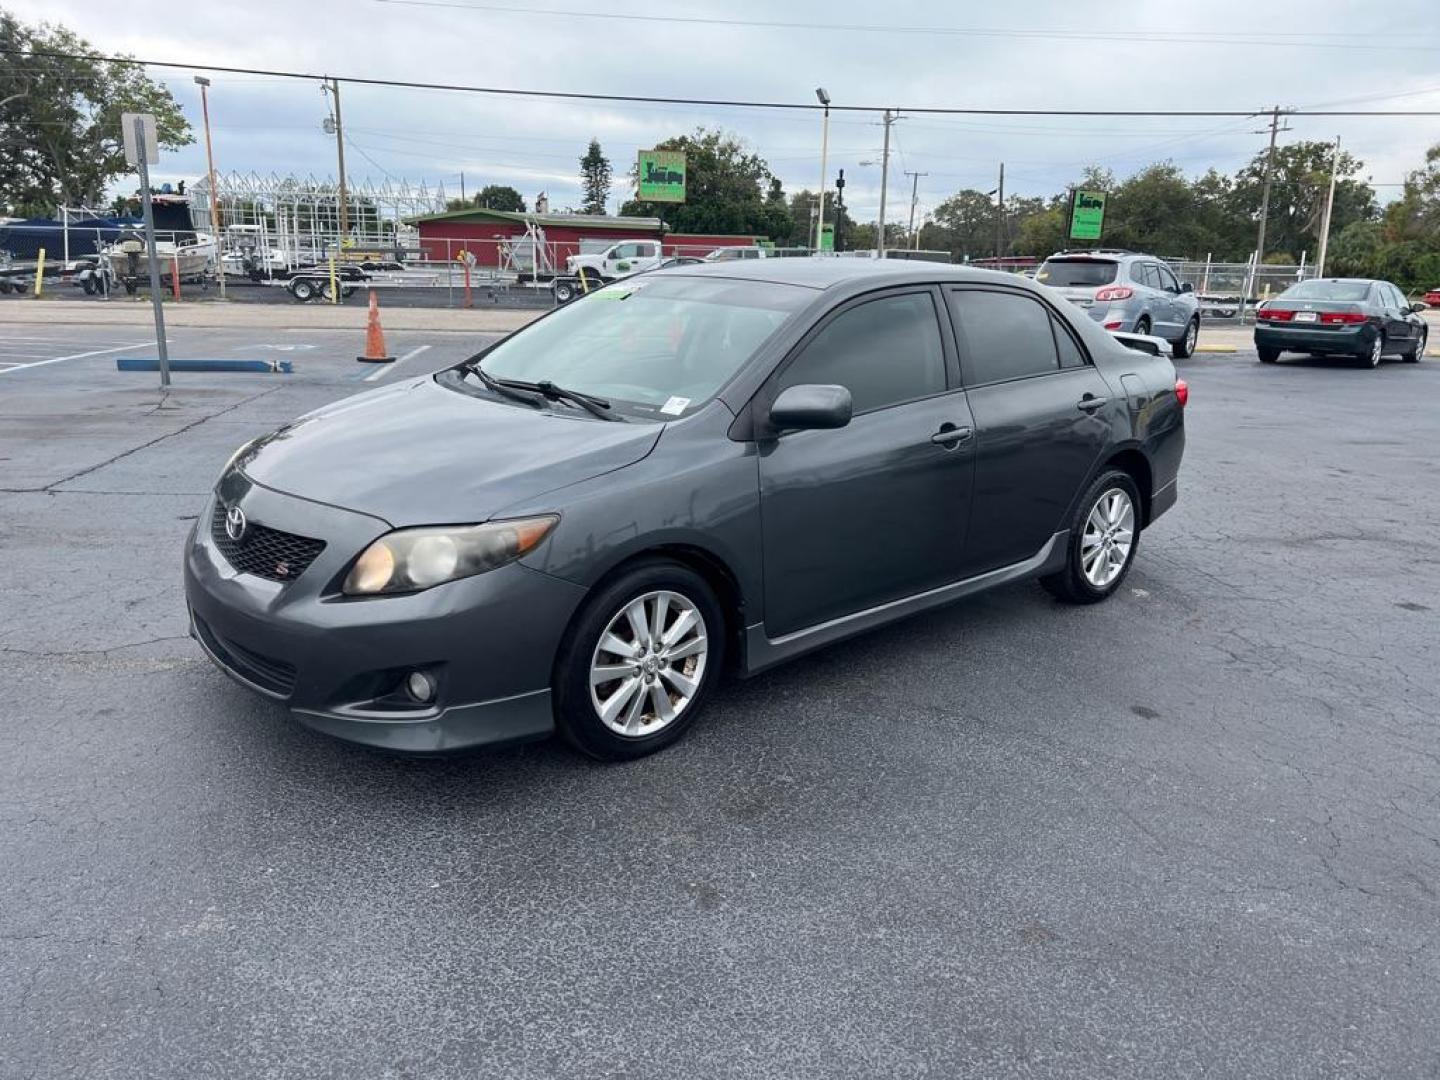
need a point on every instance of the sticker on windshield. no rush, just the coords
(675, 406)
(620, 292)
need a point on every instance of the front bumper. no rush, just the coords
(1288, 337)
(339, 663)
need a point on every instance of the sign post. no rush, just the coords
(1087, 215)
(661, 176)
(143, 150)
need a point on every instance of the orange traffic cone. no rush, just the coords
(375, 337)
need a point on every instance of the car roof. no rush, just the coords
(825, 273)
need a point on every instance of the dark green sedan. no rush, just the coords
(1356, 317)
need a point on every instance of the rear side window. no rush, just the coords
(1137, 273)
(1006, 335)
(1070, 354)
(1077, 273)
(883, 351)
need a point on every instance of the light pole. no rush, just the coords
(824, 99)
(204, 84)
(1329, 208)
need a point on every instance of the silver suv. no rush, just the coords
(1121, 290)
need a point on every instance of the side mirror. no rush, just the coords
(1418, 307)
(1185, 287)
(810, 407)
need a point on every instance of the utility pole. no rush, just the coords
(884, 177)
(824, 99)
(340, 152)
(1329, 207)
(204, 85)
(914, 194)
(999, 215)
(1269, 173)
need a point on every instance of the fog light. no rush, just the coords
(420, 686)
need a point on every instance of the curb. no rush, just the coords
(1217, 348)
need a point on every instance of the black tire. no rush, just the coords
(1267, 356)
(1418, 350)
(4, 287)
(1371, 357)
(89, 285)
(302, 290)
(347, 291)
(564, 292)
(576, 715)
(1142, 325)
(1185, 347)
(1071, 584)
(130, 288)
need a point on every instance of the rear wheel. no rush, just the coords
(302, 290)
(639, 662)
(1142, 325)
(1267, 356)
(1103, 540)
(1415, 353)
(564, 292)
(1185, 347)
(1371, 357)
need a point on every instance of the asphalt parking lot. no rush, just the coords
(1194, 831)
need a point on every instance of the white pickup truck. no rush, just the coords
(618, 260)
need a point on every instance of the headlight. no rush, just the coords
(412, 559)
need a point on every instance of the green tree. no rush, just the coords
(802, 209)
(595, 174)
(964, 225)
(726, 190)
(1298, 188)
(60, 138)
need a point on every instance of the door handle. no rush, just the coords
(950, 436)
(1089, 403)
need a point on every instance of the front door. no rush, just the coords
(876, 510)
(1043, 416)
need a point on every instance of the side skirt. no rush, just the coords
(763, 652)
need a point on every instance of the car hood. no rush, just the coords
(418, 453)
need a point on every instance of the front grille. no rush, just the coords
(262, 551)
(266, 672)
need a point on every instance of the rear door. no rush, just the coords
(1177, 311)
(876, 510)
(1399, 330)
(1042, 419)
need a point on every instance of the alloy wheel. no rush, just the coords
(1192, 335)
(649, 663)
(1376, 351)
(1108, 539)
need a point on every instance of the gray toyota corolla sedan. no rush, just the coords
(698, 470)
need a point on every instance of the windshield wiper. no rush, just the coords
(502, 386)
(548, 390)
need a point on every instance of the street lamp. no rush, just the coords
(204, 84)
(824, 99)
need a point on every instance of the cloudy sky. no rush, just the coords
(1026, 54)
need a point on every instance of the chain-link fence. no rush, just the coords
(1229, 290)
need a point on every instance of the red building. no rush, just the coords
(487, 233)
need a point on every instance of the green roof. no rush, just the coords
(480, 215)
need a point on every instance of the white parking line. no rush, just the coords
(76, 356)
(379, 373)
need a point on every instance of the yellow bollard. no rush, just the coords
(334, 292)
(40, 273)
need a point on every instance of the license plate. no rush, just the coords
(1306, 316)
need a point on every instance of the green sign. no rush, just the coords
(662, 175)
(1087, 215)
(827, 237)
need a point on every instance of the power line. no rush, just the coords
(570, 95)
(1188, 37)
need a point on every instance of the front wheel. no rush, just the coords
(638, 662)
(1185, 347)
(1102, 543)
(1414, 355)
(564, 292)
(302, 291)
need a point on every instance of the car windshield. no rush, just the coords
(1329, 290)
(1063, 273)
(660, 346)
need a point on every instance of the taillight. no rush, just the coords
(1114, 292)
(1335, 318)
(1182, 392)
(1274, 315)
(1114, 324)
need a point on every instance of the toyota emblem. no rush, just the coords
(235, 523)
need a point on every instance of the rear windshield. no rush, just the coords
(1329, 290)
(1062, 273)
